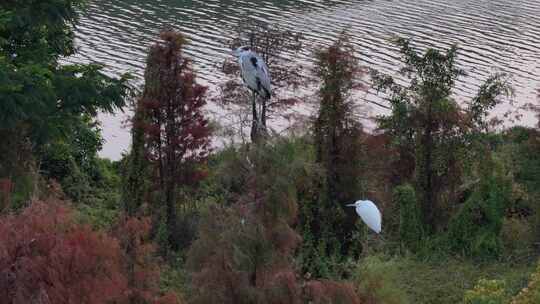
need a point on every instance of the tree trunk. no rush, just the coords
(429, 195)
(171, 215)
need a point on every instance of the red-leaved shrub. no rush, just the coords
(244, 253)
(139, 262)
(330, 292)
(45, 257)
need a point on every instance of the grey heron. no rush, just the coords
(256, 77)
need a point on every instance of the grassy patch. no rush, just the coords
(434, 282)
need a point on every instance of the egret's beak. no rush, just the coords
(351, 205)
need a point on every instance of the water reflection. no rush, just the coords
(494, 35)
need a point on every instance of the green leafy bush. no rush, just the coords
(475, 229)
(377, 280)
(442, 281)
(531, 293)
(486, 292)
(410, 221)
(517, 236)
(520, 152)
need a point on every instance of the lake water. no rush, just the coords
(494, 36)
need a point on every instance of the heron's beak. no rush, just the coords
(351, 205)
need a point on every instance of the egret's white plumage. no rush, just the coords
(369, 213)
(254, 71)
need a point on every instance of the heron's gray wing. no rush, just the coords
(265, 77)
(255, 73)
(249, 72)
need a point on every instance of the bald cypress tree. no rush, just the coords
(177, 135)
(327, 226)
(336, 131)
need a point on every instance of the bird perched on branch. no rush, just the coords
(256, 77)
(254, 71)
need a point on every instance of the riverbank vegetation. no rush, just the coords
(177, 221)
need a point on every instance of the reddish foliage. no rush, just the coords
(336, 130)
(235, 260)
(283, 288)
(176, 133)
(139, 261)
(46, 258)
(244, 253)
(329, 292)
(338, 147)
(141, 270)
(384, 167)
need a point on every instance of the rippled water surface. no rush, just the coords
(494, 35)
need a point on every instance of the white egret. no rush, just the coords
(369, 213)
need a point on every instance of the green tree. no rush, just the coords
(48, 109)
(37, 92)
(429, 125)
(79, 145)
(136, 166)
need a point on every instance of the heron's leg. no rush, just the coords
(254, 122)
(259, 113)
(254, 106)
(263, 112)
(262, 124)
